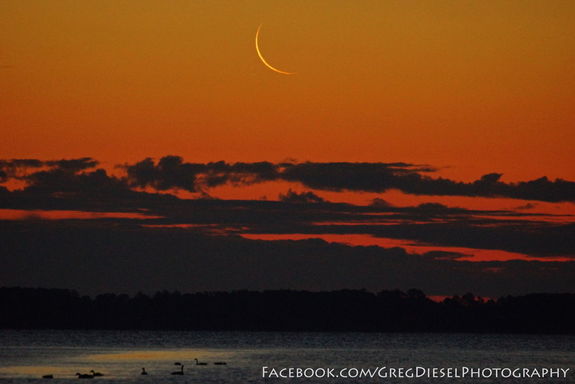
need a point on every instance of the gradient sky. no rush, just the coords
(471, 86)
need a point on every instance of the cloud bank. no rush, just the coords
(172, 173)
(169, 242)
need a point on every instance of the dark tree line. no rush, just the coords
(284, 310)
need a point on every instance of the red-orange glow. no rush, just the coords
(473, 87)
(410, 246)
(39, 214)
(271, 191)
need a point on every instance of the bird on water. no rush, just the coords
(200, 363)
(181, 371)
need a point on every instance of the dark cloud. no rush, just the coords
(71, 185)
(125, 258)
(172, 172)
(379, 177)
(302, 197)
(19, 168)
(78, 185)
(21, 163)
(532, 239)
(16, 168)
(63, 181)
(73, 165)
(380, 203)
(368, 177)
(169, 173)
(332, 176)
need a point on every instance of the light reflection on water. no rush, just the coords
(27, 355)
(154, 355)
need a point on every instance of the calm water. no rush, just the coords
(27, 355)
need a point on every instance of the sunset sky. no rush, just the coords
(470, 85)
(429, 96)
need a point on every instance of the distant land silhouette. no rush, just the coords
(285, 310)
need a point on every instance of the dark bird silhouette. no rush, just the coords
(181, 371)
(143, 372)
(198, 363)
(84, 376)
(220, 363)
(96, 373)
(48, 376)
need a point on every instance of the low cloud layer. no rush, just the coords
(97, 258)
(167, 242)
(172, 172)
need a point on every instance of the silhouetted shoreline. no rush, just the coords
(286, 310)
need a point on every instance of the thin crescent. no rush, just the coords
(264, 60)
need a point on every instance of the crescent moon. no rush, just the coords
(264, 60)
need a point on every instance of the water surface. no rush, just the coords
(27, 355)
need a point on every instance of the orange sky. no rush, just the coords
(474, 86)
